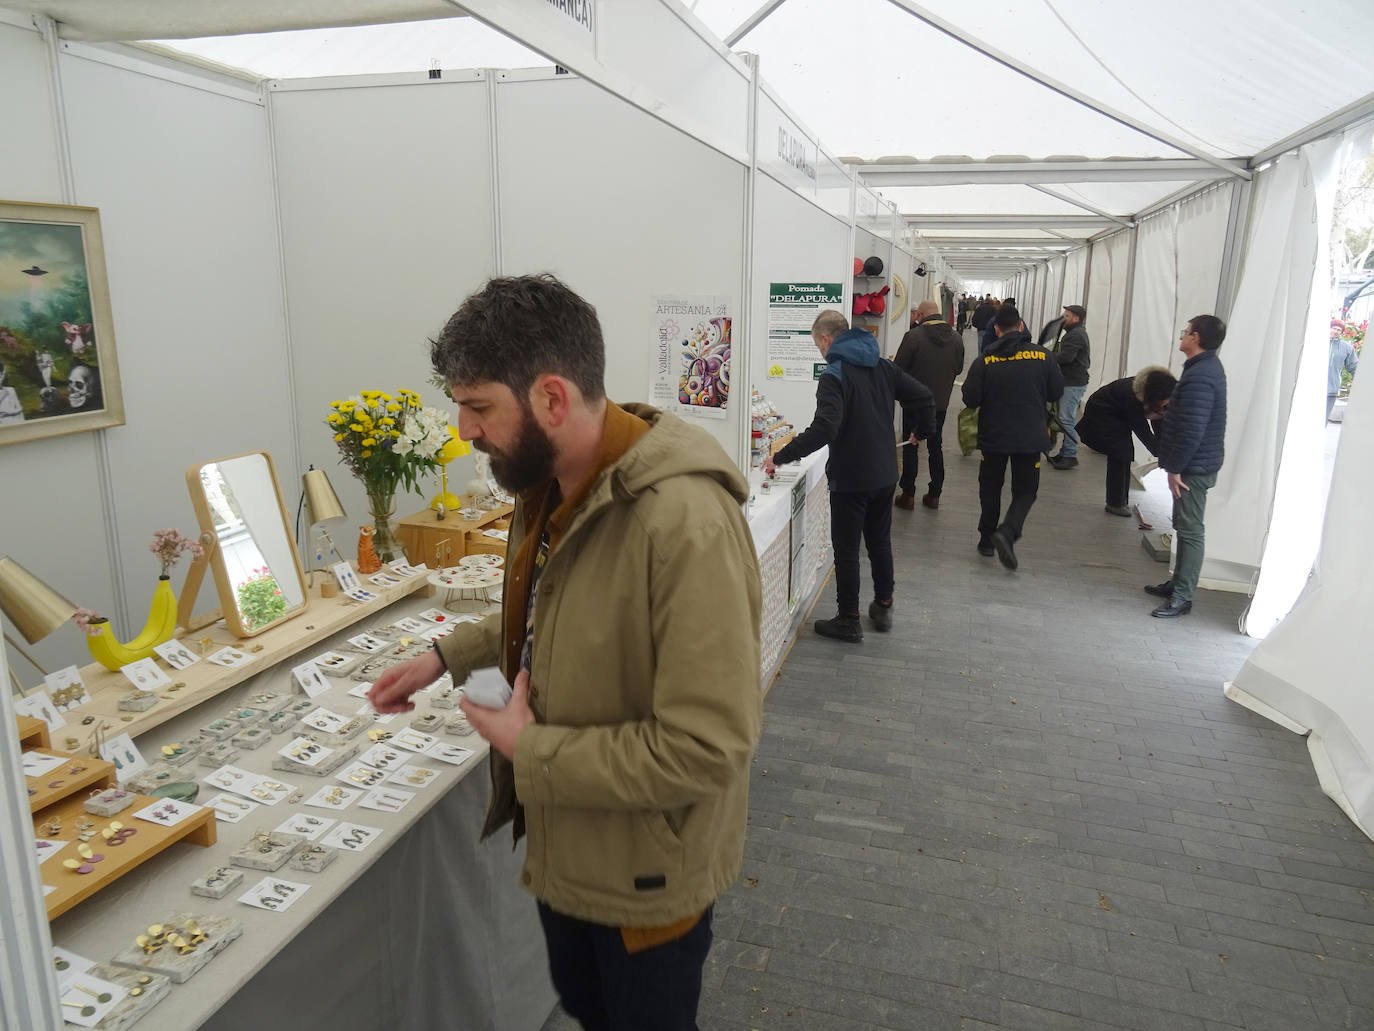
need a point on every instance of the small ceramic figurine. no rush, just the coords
(368, 562)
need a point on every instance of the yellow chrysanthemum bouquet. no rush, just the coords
(388, 441)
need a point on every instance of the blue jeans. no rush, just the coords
(1069, 403)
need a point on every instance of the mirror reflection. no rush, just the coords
(256, 564)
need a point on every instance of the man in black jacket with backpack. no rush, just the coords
(1011, 387)
(854, 400)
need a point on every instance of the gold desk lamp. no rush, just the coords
(34, 608)
(324, 506)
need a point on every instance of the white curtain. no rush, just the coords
(1106, 306)
(1273, 316)
(1054, 285)
(1075, 268)
(1311, 674)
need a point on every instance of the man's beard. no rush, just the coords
(528, 463)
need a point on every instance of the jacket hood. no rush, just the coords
(940, 339)
(1138, 381)
(1010, 343)
(856, 347)
(672, 447)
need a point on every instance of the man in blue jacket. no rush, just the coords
(1192, 445)
(854, 400)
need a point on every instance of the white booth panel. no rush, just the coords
(31, 169)
(386, 209)
(182, 178)
(1106, 306)
(1075, 272)
(645, 212)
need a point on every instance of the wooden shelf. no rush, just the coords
(96, 772)
(72, 887)
(32, 733)
(423, 533)
(204, 680)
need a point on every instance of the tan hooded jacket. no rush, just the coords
(645, 684)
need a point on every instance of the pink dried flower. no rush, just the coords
(169, 544)
(84, 618)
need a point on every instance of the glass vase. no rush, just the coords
(382, 508)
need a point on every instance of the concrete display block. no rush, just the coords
(220, 933)
(217, 883)
(324, 769)
(151, 989)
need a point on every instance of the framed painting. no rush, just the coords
(59, 372)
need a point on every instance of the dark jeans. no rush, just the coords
(866, 515)
(1190, 513)
(1118, 481)
(911, 457)
(605, 988)
(1025, 484)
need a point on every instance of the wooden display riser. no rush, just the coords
(32, 733)
(97, 773)
(72, 887)
(324, 617)
(439, 543)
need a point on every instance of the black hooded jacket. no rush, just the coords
(1010, 386)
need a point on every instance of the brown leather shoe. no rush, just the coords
(905, 500)
(931, 500)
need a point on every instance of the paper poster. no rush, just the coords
(792, 310)
(689, 373)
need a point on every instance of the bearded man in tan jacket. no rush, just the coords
(630, 635)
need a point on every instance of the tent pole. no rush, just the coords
(752, 22)
(1237, 224)
(1078, 203)
(1130, 300)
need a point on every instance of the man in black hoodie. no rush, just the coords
(1010, 386)
(932, 354)
(854, 401)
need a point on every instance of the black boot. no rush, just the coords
(881, 615)
(841, 628)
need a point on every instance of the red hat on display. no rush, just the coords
(861, 302)
(858, 266)
(876, 304)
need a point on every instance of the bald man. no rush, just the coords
(932, 354)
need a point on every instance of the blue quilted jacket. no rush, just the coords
(1193, 437)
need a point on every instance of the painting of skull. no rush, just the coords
(58, 367)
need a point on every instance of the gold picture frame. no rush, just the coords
(59, 370)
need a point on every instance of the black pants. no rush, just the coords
(866, 515)
(1025, 484)
(605, 988)
(911, 457)
(1118, 481)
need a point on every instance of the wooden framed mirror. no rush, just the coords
(248, 543)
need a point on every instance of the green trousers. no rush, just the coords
(1190, 532)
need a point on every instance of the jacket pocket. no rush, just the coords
(613, 853)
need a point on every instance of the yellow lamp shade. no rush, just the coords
(455, 448)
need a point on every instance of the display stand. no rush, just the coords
(429, 540)
(97, 772)
(33, 733)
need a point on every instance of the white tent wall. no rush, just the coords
(1054, 288)
(798, 242)
(68, 467)
(1311, 674)
(197, 303)
(1271, 324)
(655, 214)
(1075, 277)
(411, 166)
(1106, 304)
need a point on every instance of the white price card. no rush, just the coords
(346, 577)
(40, 707)
(384, 757)
(368, 643)
(334, 796)
(145, 675)
(306, 825)
(229, 657)
(310, 678)
(167, 812)
(386, 800)
(37, 763)
(415, 776)
(452, 754)
(360, 775)
(274, 893)
(351, 837)
(176, 654)
(125, 755)
(88, 1000)
(230, 808)
(413, 740)
(306, 752)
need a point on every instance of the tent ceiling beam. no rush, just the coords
(752, 22)
(1347, 116)
(1014, 221)
(973, 243)
(970, 173)
(1078, 203)
(1067, 91)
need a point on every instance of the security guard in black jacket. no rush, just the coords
(1010, 386)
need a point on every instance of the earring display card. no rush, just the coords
(360, 689)
(167, 812)
(276, 895)
(229, 657)
(414, 776)
(307, 826)
(324, 720)
(125, 755)
(366, 710)
(46, 848)
(335, 664)
(68, 965)
(231, 778)
(310, 678)
(406, 570)
(351, 837)
(89, 1000)
(66, 688)
(345, 576)
(229, 808)
(438, 633)
(413, 740)
(334, 797)
(411, 625)
(176, 654)
(39, 706)
(145, 674)
(359, 775)
(386, 800)
(38, 763)
(435, 615)
(384, 757)
(451, 754)
(362, 595)
(368, 643)
(384, 580)
(305, 752)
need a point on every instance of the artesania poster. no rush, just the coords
(690, 370)
(792, 309)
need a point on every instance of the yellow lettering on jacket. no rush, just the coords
(1018, 356)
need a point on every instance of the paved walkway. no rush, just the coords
(1031, 807)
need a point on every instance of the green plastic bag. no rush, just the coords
(968, 431)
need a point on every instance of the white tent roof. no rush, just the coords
(1192, 84)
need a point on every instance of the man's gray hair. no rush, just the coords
(830, 323)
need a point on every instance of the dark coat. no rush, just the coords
(1010, 386)
(932, 353)
(1112, 415)
(982, 315)
(1192, 439)
(854, 407)
(1074, 356)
